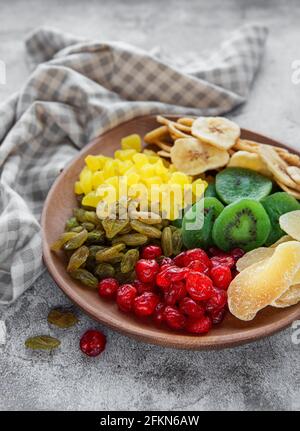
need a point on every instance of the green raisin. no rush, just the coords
(132, 240)
(71, 223)
(95, 237)
(113, 227)
(177, 242)
(104, 270)
(144, 229)
(77, 229)
(78, 258)
(166, 241)
(88, 226)
(86, 277)
(77, 241)
(65, 237)
(62, 318)
(42, 342)
(129, 260)
(109, 253)
(85, 216)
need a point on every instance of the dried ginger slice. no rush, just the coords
(288, 298)
(261, 284)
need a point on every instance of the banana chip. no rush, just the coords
(217, 131)
(155, 134)
(194, 157)
(247, 160)
(276, 165)
(294, 173)
(289, 190)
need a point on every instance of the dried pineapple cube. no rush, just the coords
(85, 178)
(132, 142)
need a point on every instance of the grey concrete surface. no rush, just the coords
(132, 375)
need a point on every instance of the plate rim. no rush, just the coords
(178, 341)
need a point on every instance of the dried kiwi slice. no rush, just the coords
(233, 184)
(243, 224)
(210, 191)
(276, 205)
(192, 236)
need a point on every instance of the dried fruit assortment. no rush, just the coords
(235, 244)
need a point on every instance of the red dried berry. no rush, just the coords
(223, 261)
(146, 270)
(166, 261)
(171, 274)
(143, 287)
(199, 286)
(145, 304)
(175, 293)
(214, 251)
(93, 342)
(125, 296)
(108, 287)
(199, 326)
(217, 301)
(196, 254)
(221, 276)
(190, 308)
(218, 316)
(158, 316)
(237, 253)
(151, 252)
(179, 259)
(198, 266)
(174, 318)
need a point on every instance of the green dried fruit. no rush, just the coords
(88, 226)
(125, 277)
(110, 253)
(95, 237)
(76, 241)
(78, 258)
(113, 227)
(85, 216)
(132, 240)
(62, 318)
(65, 237)
(165, 222)
(86, 277)
(144, 229)
(177, 242)
(104, 270)
(77, 229)
(71, 224)
(129, 260)
(126, 230)
(117, 259)
(42, 342)
(94, 249)
(166, 241)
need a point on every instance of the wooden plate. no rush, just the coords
(58, 207)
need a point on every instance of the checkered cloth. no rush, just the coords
(79, 89)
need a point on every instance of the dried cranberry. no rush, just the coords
(171, 274)
(143, 287)
(166, 261)
(198, 266)
(174, 318)
(108, 287)
(145, 304)
(218, 316)
(179, 259)
(237, 253)
(146, 270)
(199, 286)
(93, 342)
(214, 251)
(175, 293)
(151, 252)
(221, 276)
(217, 301)
(189, 307)
(158, 316)
(223, 260)
(196, 254)
(125, 296)
(199, 326)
